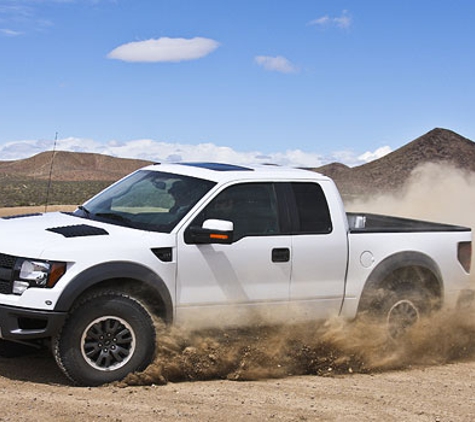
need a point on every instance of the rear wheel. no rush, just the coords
(403, 308)
(107, 336)
(401, 299)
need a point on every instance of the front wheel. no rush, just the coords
(107, 336)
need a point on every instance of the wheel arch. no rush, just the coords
(419, 269)
(126, 277)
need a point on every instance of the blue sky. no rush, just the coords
(302, 82)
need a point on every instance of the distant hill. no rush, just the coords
(390, 172)
(77, 176)
(71, 166)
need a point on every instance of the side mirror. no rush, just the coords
(212, 231)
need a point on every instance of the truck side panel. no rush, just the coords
(368, 251)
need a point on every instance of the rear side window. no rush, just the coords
(312, 209)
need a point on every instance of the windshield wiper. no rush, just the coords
(85, 210)
(116, 217)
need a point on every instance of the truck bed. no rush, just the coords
(376, 223)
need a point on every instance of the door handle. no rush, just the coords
(280, 255)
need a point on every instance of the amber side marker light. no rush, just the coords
(57, 271)
(219, 236)
(464, 255)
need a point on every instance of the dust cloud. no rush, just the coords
(335, 347)
(434, 192)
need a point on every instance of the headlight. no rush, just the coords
(34, 273)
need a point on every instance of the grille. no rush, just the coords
(5, 287)
(7, 262)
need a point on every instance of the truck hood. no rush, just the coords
(60, 235)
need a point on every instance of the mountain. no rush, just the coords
(390, 172)
(77, 176)
(71, 166)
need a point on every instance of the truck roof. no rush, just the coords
(223, 172)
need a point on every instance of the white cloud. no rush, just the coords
(347, 157)
(10, 32)
(175, 152)
(324, 20)
(276, 64)
(164, 50)
(344, 21)
(25, 16)
(371, 156)
(351, 159)
(149, 149)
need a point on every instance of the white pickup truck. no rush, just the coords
(212, 245)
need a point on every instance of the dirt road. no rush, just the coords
(33, 389)
(350, 375)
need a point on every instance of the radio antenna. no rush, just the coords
(48, 189)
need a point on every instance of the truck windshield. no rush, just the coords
(147, 200)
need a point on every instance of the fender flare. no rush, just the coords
(396, 262)
(116, 270)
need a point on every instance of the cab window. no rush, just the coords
(252, 207)
(313, 214)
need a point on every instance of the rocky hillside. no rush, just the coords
(75, 177)
(78, 176)
(390, 172)
(71, 166)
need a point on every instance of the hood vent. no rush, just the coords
(78, 231)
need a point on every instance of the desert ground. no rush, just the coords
(331, 372)
(32, 389)
(329, 376)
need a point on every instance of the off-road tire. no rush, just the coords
(403, 307)
(107, 336)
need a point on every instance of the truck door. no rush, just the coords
(254, 270)
(319, 252)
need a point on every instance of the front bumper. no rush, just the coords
(27, 324)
